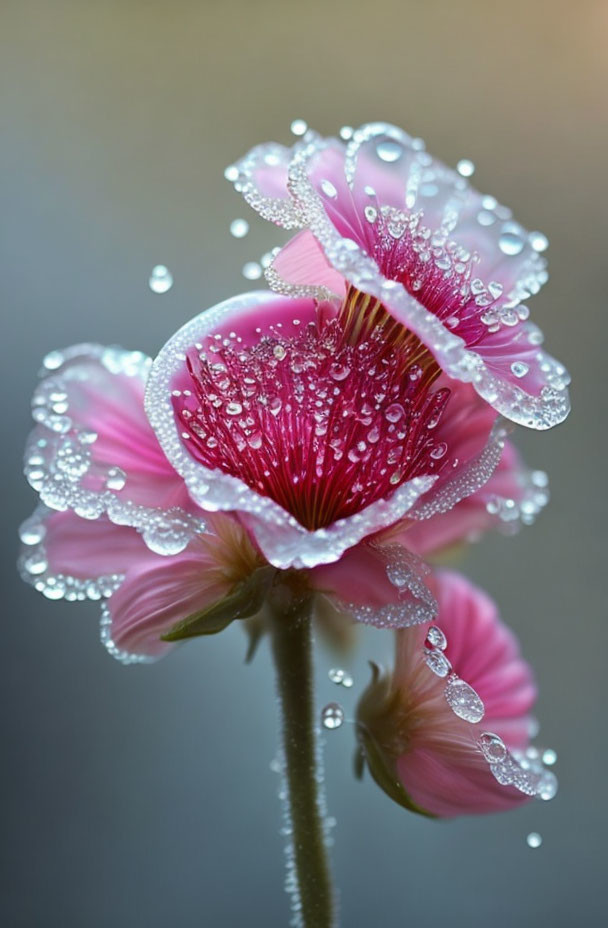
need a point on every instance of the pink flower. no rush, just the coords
(447, 733)
(280, 432)
(381, 215)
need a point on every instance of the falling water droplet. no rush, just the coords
(252, 270)
(463, 700)
(231, 173)
(389, 150)
(332, 715)
(549, 757)
(161, 279)
(340, 677)
(538, 241)
(239, 228)
(534, 839)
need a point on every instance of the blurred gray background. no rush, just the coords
(143, 796)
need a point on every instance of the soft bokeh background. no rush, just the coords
(143, 796)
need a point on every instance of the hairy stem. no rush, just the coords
(290, 622)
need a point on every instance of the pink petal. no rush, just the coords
(302, 263)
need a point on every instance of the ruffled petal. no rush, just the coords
(94, 452)
(472, 240)
(381, 585)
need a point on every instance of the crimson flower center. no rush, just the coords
(325, 421)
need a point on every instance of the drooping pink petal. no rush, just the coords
(437, 752)
(93, 450)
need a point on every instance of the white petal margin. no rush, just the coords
(63, 466)
(283, 540)
(453, 210)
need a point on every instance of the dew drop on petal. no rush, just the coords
(161, 279)
(463, 700)
(346, 133)
(239, 228)
(115, 479)
(510, 243)
(328, 189)
(252, 270)
(389, 150)
(332, 715)
(538, 241)
(234, 409)
(534, 839)
(436, 638)
(519, 368)
(231, 173)
(493, 748)
(437, 662)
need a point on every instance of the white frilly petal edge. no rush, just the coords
(283, 540)
(539, 412)
(34, 569)
(58, 459)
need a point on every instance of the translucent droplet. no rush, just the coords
(234, 409)
(493, 748)
(465, 167)
(332, 715)
(252, 270)
(239, 228)
(394, 412)
(463, 700)
(547, 787)
(115, 479)
(328, 189)
(299, 127)
(53, 360)
(486, 218)
(439, 451)
(436, 638)
(519, 368)
(371, 213)
(510, 243)
(161, 279)
(339, 371)
(231, 173)
(346, 133)
(336, 675)
(279, 352)
(549, 757)
(31, 532)
(437, 662)
(389, 150)
(538, 241)
(534, 839)
(255, 440)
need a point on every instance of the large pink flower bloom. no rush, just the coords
(447, 733)
(383, 216)
(277, 435)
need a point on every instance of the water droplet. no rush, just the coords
(234, 409)
(328, 189)
(548, 786)
(549, 757)
(510, 243)
(239, 228)
(299, 127)
(519, 368)
(493, 748)
(437, 662)
(279, 352)
(439, 451)
(486, 218)
(36, 564)
(231, 173)
(336, 675)
(275, 405)
(463, 700)
(346, 133)
(394, 412)
(465, 167)
(534, 839)
(115, 479)
(389, 150)
(53, 360)
(371, 213)
(161, 279)
(252, 270)
(538, 241)
(339, 371)
(255, 440)
(32, 532)
(332, 715)
(436, 638)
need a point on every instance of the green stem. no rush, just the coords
(291, 634)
